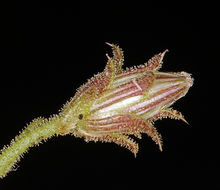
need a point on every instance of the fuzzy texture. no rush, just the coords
(40, 129)
(111, 107)
(118, 103)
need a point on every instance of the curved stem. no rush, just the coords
(40, 129)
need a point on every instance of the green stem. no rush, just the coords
(40, 129)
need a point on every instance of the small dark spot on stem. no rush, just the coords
(80, 116)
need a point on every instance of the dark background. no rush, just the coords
(49, 50)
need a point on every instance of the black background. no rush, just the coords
(50, 49)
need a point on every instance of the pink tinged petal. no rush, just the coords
(123, 95)
(115, 108)
(124, 124)
(167, 88)
(109, 124)
(163, 99)
(117, 123)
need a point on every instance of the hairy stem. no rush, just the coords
(40, 129)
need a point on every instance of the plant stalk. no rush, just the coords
(40, 129)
